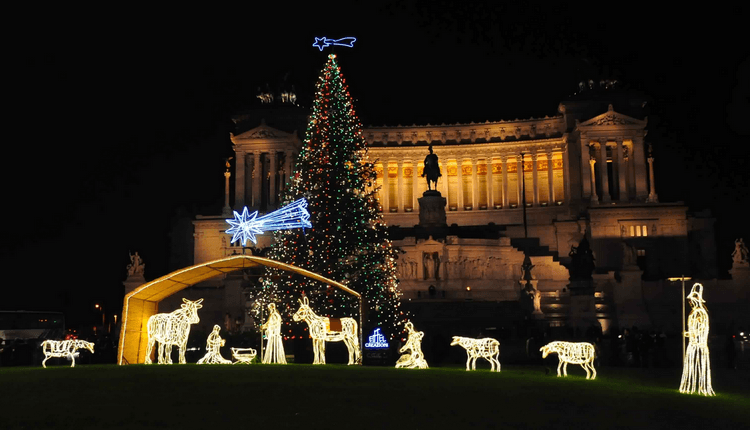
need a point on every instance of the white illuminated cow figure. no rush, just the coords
(64, 348)
(487, 348)
(172, 329)
(321, 331)
(571, 353)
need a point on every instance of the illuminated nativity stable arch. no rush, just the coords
(143, 302)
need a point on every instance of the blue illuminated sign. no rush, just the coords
(324, 42)
(246, 226)
(376, 340)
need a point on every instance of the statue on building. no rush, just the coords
(740, 253)
(430, 265)
(629, 258)
(537, 302)
(136, 266)
(431, 169)
(582, 261)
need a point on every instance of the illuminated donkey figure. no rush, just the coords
(172, 329)
(571, 353)
(64, 348)
(321, 333)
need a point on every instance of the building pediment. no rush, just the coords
(612, 118)
(265, 138)
(263, 132)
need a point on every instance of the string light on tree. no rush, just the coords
(348, 239)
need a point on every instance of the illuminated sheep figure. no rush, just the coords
(172, 329)
(321, 333)
(696, 371)
(213, 349)
(571, 353)
(487, 348)
(415, 359)
(64, 348)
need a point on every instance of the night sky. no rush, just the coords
(119, 125)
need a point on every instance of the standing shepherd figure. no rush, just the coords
(431, 169)
(274, 346)
(696, 370)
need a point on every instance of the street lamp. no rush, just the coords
(101, 309)
(682, 278)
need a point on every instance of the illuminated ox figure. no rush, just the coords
(64, 348)
(172, 329)
(487, 348)
(571, 353)
(322, 330)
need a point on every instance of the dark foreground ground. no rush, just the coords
(340, 397)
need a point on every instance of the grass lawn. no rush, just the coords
(336, 396)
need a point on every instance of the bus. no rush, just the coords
(31, 325)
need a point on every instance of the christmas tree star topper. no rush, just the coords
(324, 42)
(247, 225)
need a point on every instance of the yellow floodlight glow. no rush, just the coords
(213, 349)
(64, 348)
(243, 355)
(172, 329)
(487, 348)
(321, 333)
(274, 352)
(696, 371)
(414, 359)
(571, 353)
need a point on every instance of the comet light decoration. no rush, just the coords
(487, 348)
(571, 353)
(414, 359)
(172, 329)
(213, 349)
(696, 371)
(64, 348)
(247, 225)
(244, 355)
(324, 42)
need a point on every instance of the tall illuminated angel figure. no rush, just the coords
(213, 349)
(414, 359)
(696, 371)
(274, 352)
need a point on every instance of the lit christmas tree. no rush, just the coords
(348, 240)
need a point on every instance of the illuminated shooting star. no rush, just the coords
(324, 42)
(247, 225)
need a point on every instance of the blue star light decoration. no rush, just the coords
(324, 42)
(247, 225)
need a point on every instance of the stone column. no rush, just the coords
(639, 163)
(535, 178)
(460, 184)
(400, 185)
(474, 185)
(519, 182)
(226, 211)
(603, 177)
(652, 197)
(257, 172)
(488, 178)
(585, 173)
(288, 169)
(239, 180)
(443, 182)
(631, 173)
(415, 186)
(550, 180)
(386, 190)
(594, 197)
(504, 160)
(622, 182)
(566, 174)
(272, 170)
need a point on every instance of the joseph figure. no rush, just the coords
(431, 169)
